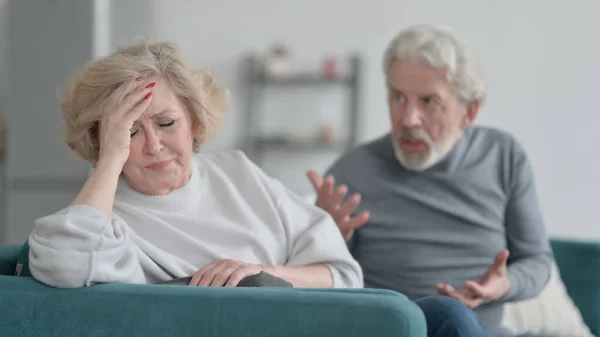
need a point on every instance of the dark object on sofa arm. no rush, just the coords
(262, 279)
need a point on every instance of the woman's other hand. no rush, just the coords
(224, 273)
(117, 122)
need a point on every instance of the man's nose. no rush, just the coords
(411, 117)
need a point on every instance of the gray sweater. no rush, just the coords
(447, 223)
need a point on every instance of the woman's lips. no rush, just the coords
(158, 166)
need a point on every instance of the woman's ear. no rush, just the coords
(195, 124)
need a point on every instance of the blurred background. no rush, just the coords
(322, 91)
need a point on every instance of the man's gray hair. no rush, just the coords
(441, 49)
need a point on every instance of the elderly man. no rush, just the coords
(447, 207)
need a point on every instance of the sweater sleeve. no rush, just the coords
(79, 246)
(530, 252)
(312, 235)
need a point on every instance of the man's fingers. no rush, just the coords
(442, 289)
(448, 290)
(350, 205)
(497, 268)
(338, 196)
(463, 295)
(328, 184)
(358, 221)
(324, 195)
(475, 288)
(315, 179)
(501, 259)
(347, 234)
(469, 302)
(445, 289)
(348, 225)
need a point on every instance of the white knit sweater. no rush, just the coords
(229, 209)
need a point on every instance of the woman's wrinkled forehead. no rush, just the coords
(165, 101)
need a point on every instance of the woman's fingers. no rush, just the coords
(224, 274)
(221, 273)
(244, 271)
(138, 110)
(129, 89)
(200, 275)
(209, 276)
(196, 278)
(135, 98)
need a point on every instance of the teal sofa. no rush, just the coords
(29, 308)
(579, 264)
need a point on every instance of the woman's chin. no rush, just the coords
(160, 188)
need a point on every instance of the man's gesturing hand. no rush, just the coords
(330, 199)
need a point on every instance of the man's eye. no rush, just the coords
(133, 132)
(429, 100)
(399, 97)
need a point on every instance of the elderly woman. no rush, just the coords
(154, 209)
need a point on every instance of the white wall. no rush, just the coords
(541, 59)
(3, 44)
(3, 52)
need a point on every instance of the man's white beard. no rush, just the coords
(419, 161)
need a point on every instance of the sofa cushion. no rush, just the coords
(551, 313)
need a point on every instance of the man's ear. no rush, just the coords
(472, 112)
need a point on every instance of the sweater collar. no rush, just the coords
(174, 201)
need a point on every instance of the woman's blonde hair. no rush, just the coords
(104, 80)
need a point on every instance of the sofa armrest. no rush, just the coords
(578, 263)
(8, 258)
(29, 308)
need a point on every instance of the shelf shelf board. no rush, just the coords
(304, 146)
(303, 80)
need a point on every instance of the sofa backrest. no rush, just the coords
(22, 265)
(578, 262)
(8, 258)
